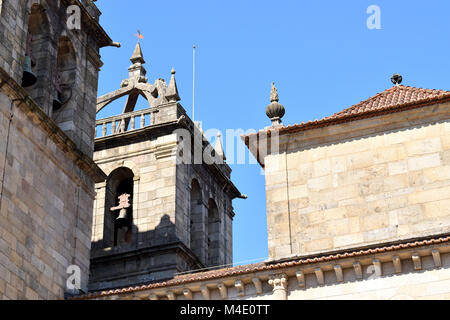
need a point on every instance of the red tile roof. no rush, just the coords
(395, 99)
(258, 267)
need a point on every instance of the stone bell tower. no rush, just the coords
(156, 214)
(48, 91)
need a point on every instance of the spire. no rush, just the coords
(275, 111)
(172, 90)
(219, 147)
(136, 72)
(137, 55)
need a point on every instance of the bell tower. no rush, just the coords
(156, 214)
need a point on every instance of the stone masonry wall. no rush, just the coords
(45, 210)
(154, 183)
(161, 200)
(363, 182)
(77, 115)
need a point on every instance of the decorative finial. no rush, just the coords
(219, 147)
(396, 79)
(274, 93)
(172, 90)
(137, 55)
(275, 111)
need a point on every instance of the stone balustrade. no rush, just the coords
(125, 122)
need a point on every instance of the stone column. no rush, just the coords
(99, 211)
(204, 222)
(279, 285)
(134, 208)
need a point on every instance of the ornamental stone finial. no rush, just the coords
(275, 111)
(137, 55)
(274, 93)
(136, 72)
(219, 147)
(172, 91)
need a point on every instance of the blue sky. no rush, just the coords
(320, 54)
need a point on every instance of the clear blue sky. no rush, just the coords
(320, 53)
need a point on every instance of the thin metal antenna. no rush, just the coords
(193, 84)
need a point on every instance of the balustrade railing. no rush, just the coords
(123, 123)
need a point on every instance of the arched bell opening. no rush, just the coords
(36, 59)
(118, 219)
(65, 77)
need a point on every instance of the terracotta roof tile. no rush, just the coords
(395, 99)
(262, 266)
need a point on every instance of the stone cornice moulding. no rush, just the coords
(358, 264)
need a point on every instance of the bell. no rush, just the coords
(122, 220)
(28, 77)
(57, 100)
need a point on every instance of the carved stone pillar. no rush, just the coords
(279, 285)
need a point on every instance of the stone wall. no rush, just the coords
(50, 34)
(161, 231)
(358, 183)
(45, 203)
(47, 172)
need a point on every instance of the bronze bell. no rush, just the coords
(122, 220)
(57, 100)
(28, 77)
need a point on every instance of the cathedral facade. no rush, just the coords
(357, 207)
(357, 203)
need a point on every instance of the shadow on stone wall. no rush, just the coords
(151, 256)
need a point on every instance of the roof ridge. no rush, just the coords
(366, 100)
(422, 94)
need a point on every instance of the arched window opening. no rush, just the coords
(65, 77)
(213, 234)
(118, 218)
(196, 230)
(36, 60)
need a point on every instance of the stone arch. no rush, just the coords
(120, 181)
(213, 232)
(127, 163)
(38, 44)
(66, 71)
